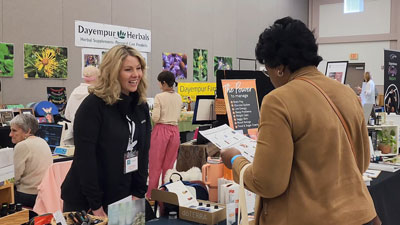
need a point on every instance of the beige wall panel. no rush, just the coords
(168, 33)
(224, 35)
(35, 22)
(224, 27)
(1, 21)
(131, 13)
(98, 11)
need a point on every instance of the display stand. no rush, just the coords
(7, 193)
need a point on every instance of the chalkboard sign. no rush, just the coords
(242, 105)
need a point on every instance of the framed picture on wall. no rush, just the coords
(337, 70)
(6, 115)
(26, 111)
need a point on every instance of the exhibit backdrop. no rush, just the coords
(42, 61)
(391, 80)
(6, 60)
(222, 63)
(200, 65)
(175, 63)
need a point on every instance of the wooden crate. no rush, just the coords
(15, 218)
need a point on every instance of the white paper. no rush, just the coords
(6, 157)
(185, 197)
(7, 173)
(127, 211)
(372, 173)
(225, 137)
(59, 218)
(383, 167)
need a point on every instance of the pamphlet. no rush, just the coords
(185, 197)
(127, 211)
(225, 137)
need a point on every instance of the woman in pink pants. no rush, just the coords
(165, 138)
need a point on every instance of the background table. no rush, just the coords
(385, 191)
(191, 154)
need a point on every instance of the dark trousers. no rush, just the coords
(27, 200)
(72, 207)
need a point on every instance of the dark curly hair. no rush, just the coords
(167, 77)
(287, 42)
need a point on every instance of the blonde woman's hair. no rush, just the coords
(107, 86)
(367, 76)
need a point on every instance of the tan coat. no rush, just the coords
(304, 169)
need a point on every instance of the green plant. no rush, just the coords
(387, 137)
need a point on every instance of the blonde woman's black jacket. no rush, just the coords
(101, 135)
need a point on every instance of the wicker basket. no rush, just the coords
(220, 108)
(69, 220)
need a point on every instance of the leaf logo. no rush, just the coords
(121, 34)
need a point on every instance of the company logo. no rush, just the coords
(121, 34)
(393, 56)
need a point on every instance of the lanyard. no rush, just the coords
(132, 128)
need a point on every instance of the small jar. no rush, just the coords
(172, 215)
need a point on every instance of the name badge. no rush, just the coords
(131, 162)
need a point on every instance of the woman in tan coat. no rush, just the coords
(304, 169)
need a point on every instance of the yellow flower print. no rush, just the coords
(46, 61)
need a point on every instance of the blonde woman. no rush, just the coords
(112, 136)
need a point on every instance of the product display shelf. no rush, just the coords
(389, 127)
(20, 217)
(7, 193)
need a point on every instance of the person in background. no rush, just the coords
(32, 158)
(368, 92)
(165, 139)
(112, 130)
(90, 74)
(300, 175)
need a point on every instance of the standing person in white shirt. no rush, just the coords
(165, 139)
(90, 74)
(368, 93)
(369, 90)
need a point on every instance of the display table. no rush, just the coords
(191, 155)
(185, 122)
(384, 191)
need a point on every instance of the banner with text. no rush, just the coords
(242, 105)
(189, 91)
(391, 81)
(98, 35)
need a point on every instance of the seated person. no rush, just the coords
(32, 158)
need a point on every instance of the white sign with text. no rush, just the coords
(98, 35)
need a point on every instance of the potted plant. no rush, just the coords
(387, 140)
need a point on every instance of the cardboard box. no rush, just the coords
(191, 214)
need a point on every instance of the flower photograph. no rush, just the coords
(45, 61)
(200, 63)
(176, 63)
(6, 60)
(222, 63)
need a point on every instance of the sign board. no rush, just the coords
(191, 90)
(242, 105)
(337, 70)
(98, 35)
